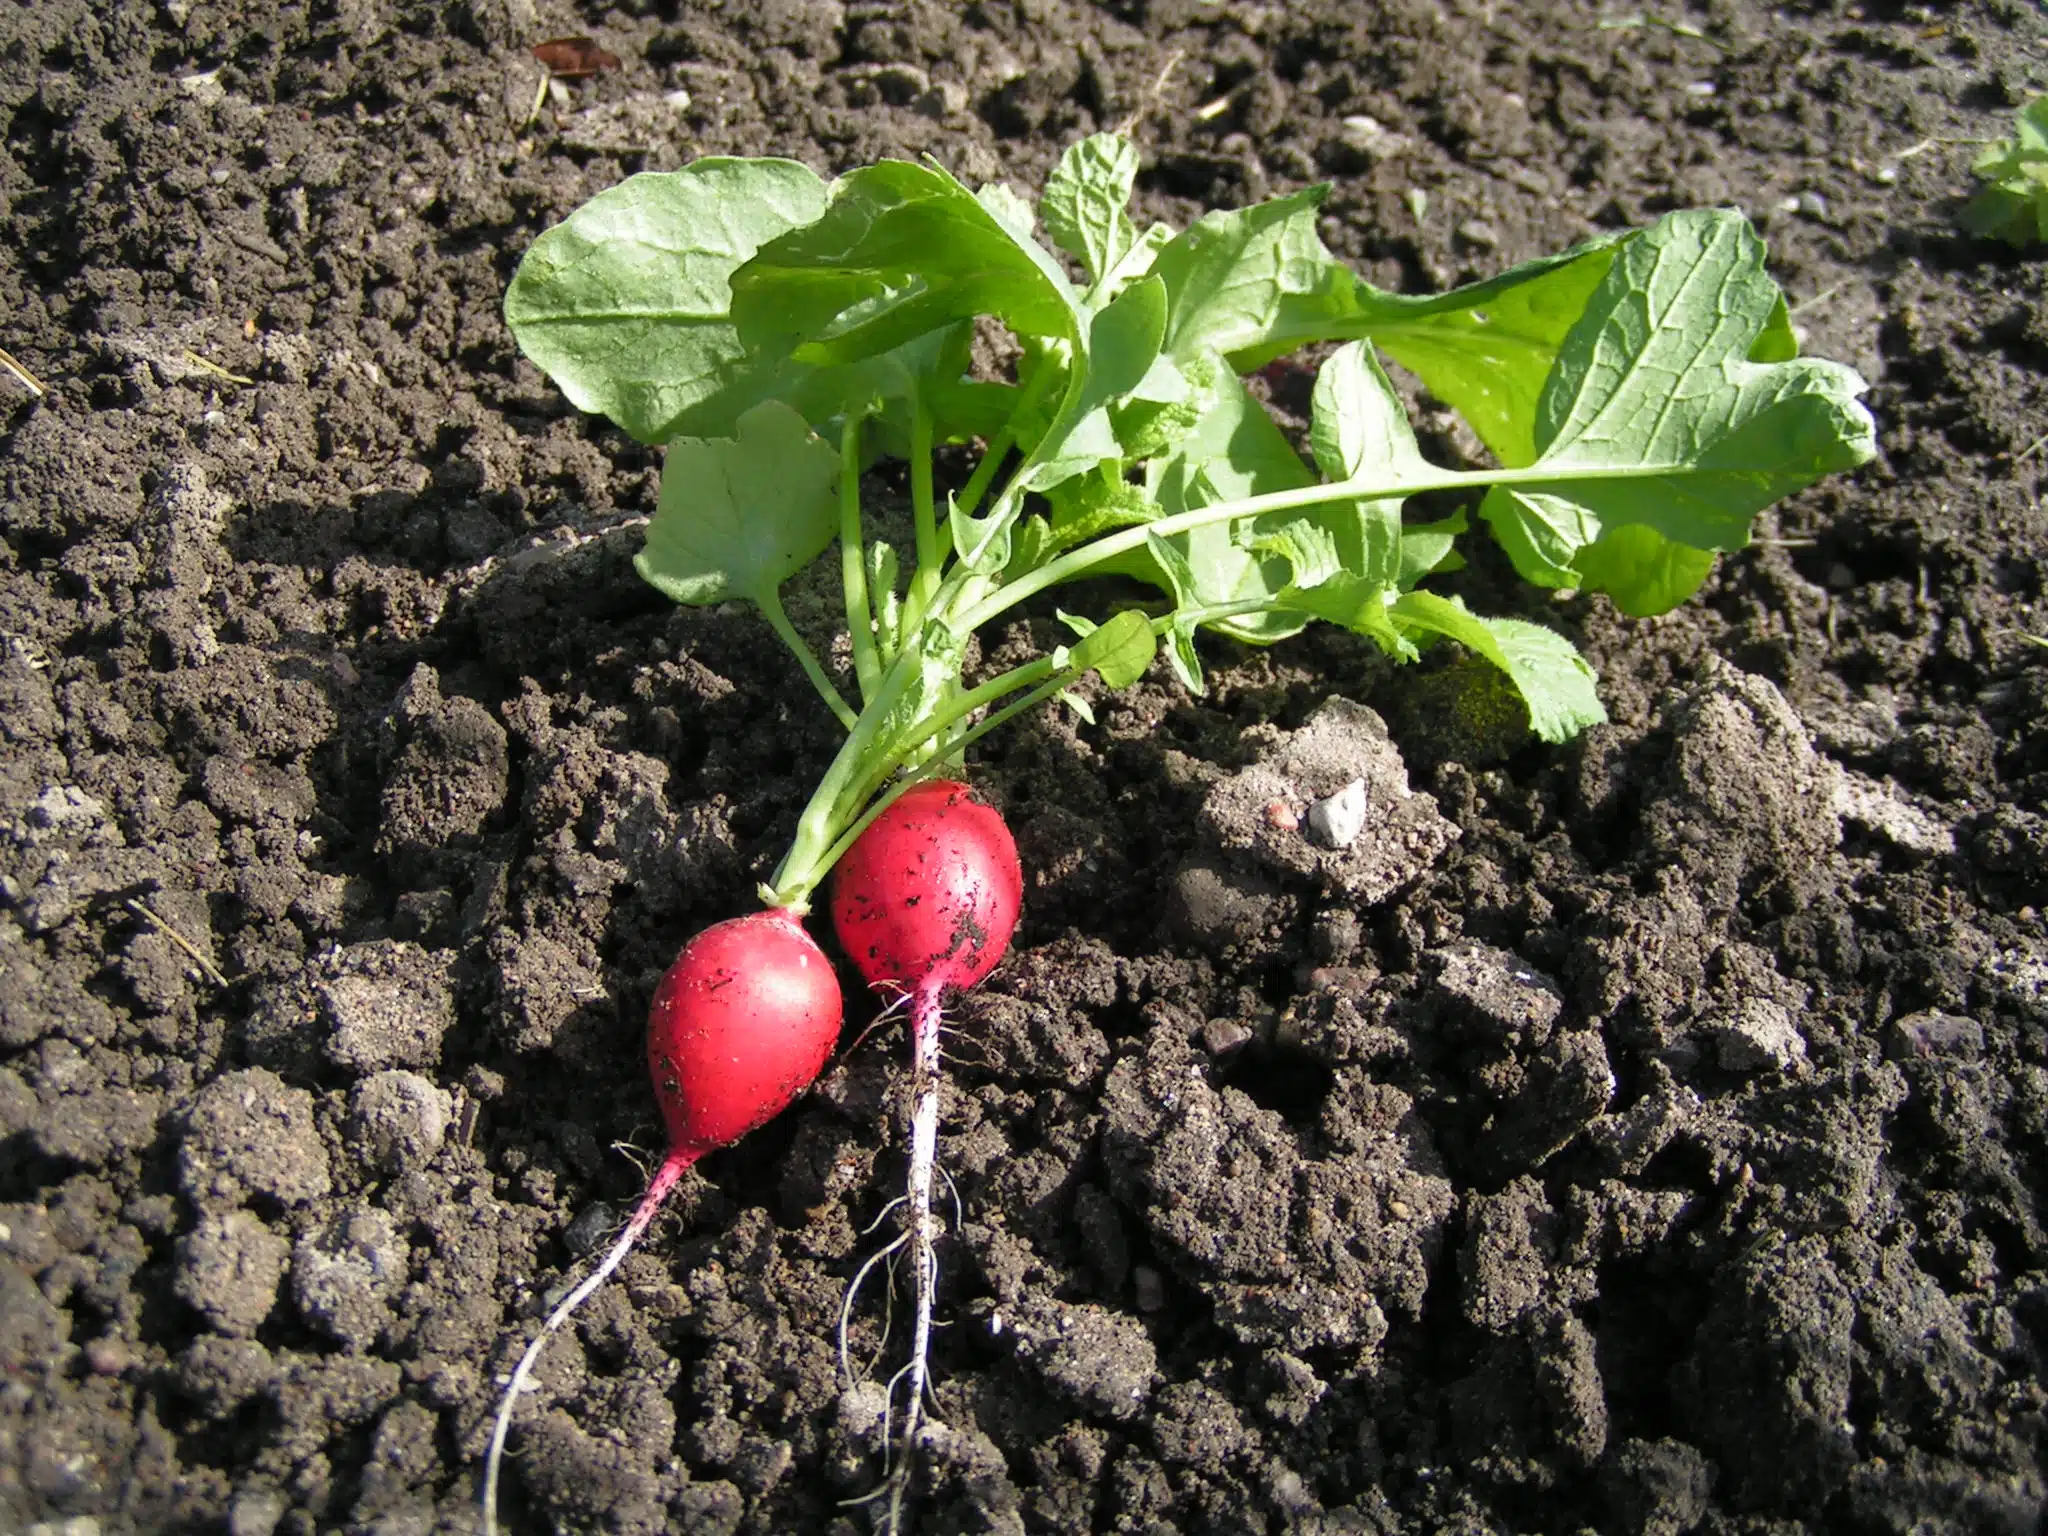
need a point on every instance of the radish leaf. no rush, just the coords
(741, 515)
(1655, 414)
(625, 303)
(1086, 201)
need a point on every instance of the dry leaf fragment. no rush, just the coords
(572, 58)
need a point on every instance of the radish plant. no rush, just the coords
(1641, 397)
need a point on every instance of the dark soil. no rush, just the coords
(1662, 1147)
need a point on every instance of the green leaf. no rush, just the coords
(1357, 427)
(981, 544)
(1486, 349)
(1137, 261)
(1555, 683)
(625, 303)
(1258, 283)
(2013, 206)
(1355, 604)
(1233, 451)
(1427, 548)
(1656, 413)
(739, 516)
(1237, 278)
(1123, 346)
(901, 249)
(1643, 572)
(1120, 650)
(1086, 199)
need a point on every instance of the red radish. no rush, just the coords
(924, 903)
(741, 1024)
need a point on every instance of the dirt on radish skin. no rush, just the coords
(741, 1023)
(925, 903)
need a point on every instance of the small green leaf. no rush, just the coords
(1137, 261)
(1559, 688)
(1357, 427)
(739, 516)
(1543, 534)
(1309, 548)
(2013, 206)
(1235, 277)
(1123, 346)
(1086, 199)
(1080, 706)
(1355, 604)
(1428, 548)
(1119, 650)
(982, 544)
(625, 303)
(1185, 661)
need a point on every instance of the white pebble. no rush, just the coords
(1337, 821)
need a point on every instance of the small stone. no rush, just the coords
(1224, 1037)
(1335, 822)
(1370, 137)
(1934, 1034)
(256, 1512)
(1813, 205)
(108, 1357)
(590, 1227)
(1280, 816)
(1478, 234)
(1760, 1036)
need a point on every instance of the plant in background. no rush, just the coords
(2013, 206)
(1642, 395)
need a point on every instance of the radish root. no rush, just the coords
(672, 1168)
(924, 1259)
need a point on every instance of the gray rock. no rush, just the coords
(386, 1004)
(1103, 1360)
(1759, 1036)
(1336, 820)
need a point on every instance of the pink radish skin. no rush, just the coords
(741, 1024)
(924, 903)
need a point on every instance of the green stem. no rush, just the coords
(1028, 400)
(955, 707)
(824, 816)
(1003, 716)
(770, 604)
(860, 618)
(933, 542)
(1078, 562)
